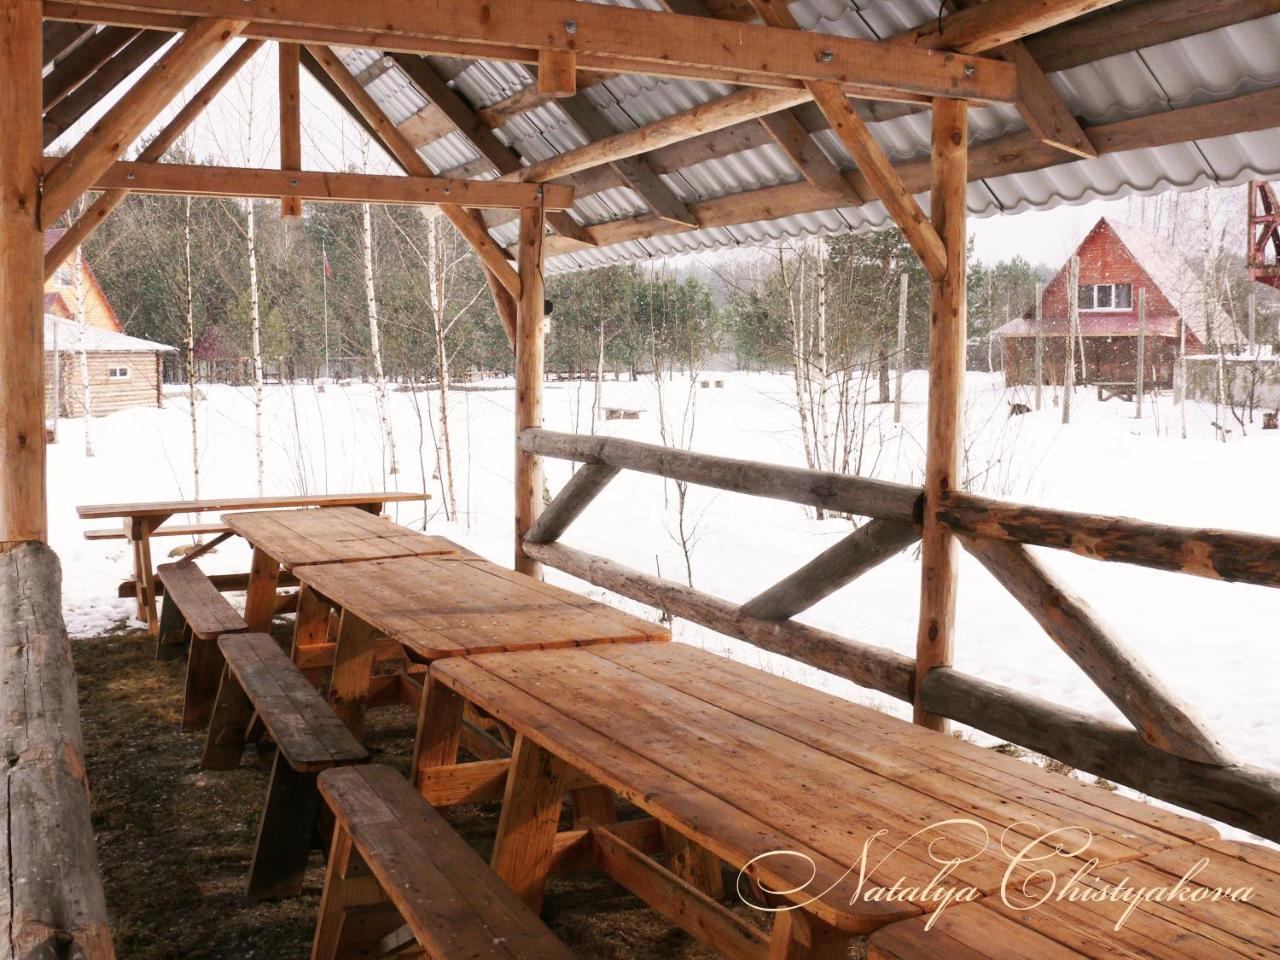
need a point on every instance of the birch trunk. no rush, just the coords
(255, 319)
(191, 356)
(822, 429)
(436, 278)
(86, 394)
(375, 341)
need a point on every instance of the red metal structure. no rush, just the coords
(1264, 233)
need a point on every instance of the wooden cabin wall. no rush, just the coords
(1106, 360)
(141, 389)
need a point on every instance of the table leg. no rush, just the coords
(145, 588)
(311, 628)
(801, 936)
(260, 601)
(439, 729)
(138, 582)
(693, 863)
(352, 669)
(531, 806)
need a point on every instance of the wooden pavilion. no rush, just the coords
(985, 106)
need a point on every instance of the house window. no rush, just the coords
(1106, 296)
(118, 373)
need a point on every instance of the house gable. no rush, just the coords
(97, 308)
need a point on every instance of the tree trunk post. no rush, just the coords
(1141, 365)
(1039, 362)
(22, 446)
(902, 348)
(947, 334)
(530, 361)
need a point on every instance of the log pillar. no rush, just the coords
(530, 363)
(947, 334)
(22, 445)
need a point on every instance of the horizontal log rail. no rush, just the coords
(1169, 753)
(837, 492)
(53, 904)
(1201, 551)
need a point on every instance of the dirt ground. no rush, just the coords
(175, 841)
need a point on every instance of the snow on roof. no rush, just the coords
(67, 335)
(1207, 67)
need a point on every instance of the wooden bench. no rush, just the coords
(1066, 927)
(194, 615)
(621, 413)
(427, 886)
(122, 532)
(259, 680)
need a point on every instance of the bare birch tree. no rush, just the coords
(375, 342)
(86, 392)
(191, 353)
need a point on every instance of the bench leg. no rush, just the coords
(232, 713)
(354, 913)
(531, 806)
(439, 729)
(169, 641)
(285, 832)
(799, 936)
(204, 671)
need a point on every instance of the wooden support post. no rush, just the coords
(22, 447)
(527, 826)
(1039, 369)
(290, 121)
(530, 346)
(1073, 330)
(1140, 361)
(902, 348)
(947, 330)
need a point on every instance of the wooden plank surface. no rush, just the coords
(307, 732)
(1194, 925)
(743, 763)
(205, 610)
(332, 535)
(438, 607)
(454, 904)
(168, 507)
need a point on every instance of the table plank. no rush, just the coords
(331, 535)
(169, 507)
(439, 607)
(845, 772)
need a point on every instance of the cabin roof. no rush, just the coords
(67, 334)
(1216, 65)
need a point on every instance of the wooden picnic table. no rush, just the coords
(284, 540)
(741, 763)
(142, 521)
(450, 604)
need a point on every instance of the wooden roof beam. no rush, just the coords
(58, 38)
(129, 117)
(83, 61)
(1016, 153)
(464, 121)
(614, 39)
(994, 23)
(68, 111)
(102, 208)
(179, 179)
(357, 100)
(290, 70)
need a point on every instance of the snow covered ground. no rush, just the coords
(1214, 644)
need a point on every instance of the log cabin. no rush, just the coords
(1118, 264)
(558, 135)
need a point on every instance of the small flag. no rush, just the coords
(328, 270)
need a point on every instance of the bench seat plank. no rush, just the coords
(183, 530)
(1069, 927)
(205, 610)
(304, 727)
(456, 907)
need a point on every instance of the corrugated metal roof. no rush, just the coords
(70, 336)
(1219, 64)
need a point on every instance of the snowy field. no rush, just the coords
(1214, 644)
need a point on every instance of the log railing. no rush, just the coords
(1169, 753)
(53, 904)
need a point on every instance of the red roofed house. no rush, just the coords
(98, 311)
(1116, 262)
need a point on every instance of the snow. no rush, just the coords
(1212, 643)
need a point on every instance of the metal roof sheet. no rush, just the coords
(1218, 64)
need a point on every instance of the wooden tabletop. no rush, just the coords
(170, 507)
(332, 535)
(745, 763)
(442, 607)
